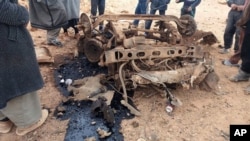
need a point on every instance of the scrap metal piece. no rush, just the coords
(170, 76)
(103, 133)
(43, 55)
(190, 26)
(131, 108)
(85, 24)
(84, 88)
(100, 105)
(93, 49)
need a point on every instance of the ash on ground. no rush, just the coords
(83, 123)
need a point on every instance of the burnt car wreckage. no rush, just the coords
(175, 53)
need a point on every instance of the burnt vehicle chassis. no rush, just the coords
(172, 54)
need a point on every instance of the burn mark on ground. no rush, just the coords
(83, 123)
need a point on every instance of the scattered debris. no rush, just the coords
(103, 133)
(43, 55)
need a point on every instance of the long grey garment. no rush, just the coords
(19, 70)
(72, 8)
(47, 14)
(23, 110)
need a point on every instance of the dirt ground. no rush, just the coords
(204, 116)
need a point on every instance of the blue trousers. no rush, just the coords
(97, 5)
(100, 6)
(140, 9)
(152, 12)
(231, 30)
(185, 12)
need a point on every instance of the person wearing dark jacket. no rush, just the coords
(20, 76)
(160, 5)
(49, 15)
(231, 29)
(244, 71)
(189, 6)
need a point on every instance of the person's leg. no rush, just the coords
(237, 37)
(52, 37)
(94, 7)
(2, 116)
(23, 110)
(101, 9)
(229, 33)
(5, 124)
(193, 12)
(149, 22)
(162, 12)
(137, 11)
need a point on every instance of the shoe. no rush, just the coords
(25, 130)
(5, 126)
(77, 36)
(55, 43)
(228, 63)
(224, 51)
(241, 76)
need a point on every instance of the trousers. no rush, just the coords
(53, 34)
(23, 110)
(231, 30)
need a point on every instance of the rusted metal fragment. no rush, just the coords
(210, 82)
(171, 76)
(205, 37)
(131, 108)
(43, 55)
(88, 87)
(100, 105)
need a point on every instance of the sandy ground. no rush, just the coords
(204, 116)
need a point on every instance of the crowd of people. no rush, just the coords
(20, 77)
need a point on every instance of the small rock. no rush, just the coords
(61, 109)
(59, 114)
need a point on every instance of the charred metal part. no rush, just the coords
(93, 49)
(100, 106)
(103, 133)
(190, 26)
(171, 53)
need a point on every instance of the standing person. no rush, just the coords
(49, 15)
(234, 59)
(100, 6)
(160, 5)
(20, 77)
(73, 14)
(189, 6)
(244, 71)
(140, 9)
(231, 29)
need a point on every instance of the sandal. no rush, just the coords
(228, 63)
(5, 126)
(55, 43)
(25, 130)
(241, 76)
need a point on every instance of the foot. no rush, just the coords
(55, 43)
(228, 63)
(5, 126)
(25, 130)
(66, 34)
(224, 51)
(241, 76)
(77, 36)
